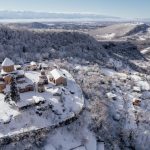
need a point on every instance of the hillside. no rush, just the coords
(114, 77)
(21, 44)
(119, 30)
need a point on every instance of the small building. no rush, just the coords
(21, 80)
(2, 86)
(7, 66)
(20, 74)
(18, 67)
(57, 77)
(26, 88)
(8, 78)
(33, 65)
(44, 66)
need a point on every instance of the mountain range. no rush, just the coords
(46, 15)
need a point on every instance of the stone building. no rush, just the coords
(57, 77)
(7, 66)
(33, 65)
(2, 85)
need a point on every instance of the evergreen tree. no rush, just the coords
(7, 97)
(24, 49)
(14, 93)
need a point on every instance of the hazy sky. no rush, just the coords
(120, 8)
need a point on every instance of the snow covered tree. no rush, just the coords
(7, 98)
(14, 93)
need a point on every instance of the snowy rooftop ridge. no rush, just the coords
(33, 63)
(7, 62)
(56, 73)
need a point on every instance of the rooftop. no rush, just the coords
(7, 62)
(56, 73)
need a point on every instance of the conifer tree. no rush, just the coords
(7, 98)
(14, 93)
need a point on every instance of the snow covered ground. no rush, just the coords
(146, 50)
(108, 36)
(75, 136)
(51, 110)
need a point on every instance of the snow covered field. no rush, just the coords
(47, 109)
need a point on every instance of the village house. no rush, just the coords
(8, 78)
(33, 65)
(9, 70)
(18, 67)
(2, 84)
(20, 74)
(57, 77)
(26, 88)
(7, 66)
(43, 66)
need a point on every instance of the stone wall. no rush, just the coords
(34, 133)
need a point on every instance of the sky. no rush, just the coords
(117, 8)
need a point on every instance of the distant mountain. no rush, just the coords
(45, 15)
(33, 25)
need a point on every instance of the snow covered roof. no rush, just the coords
(33, 63)
(80, 148)
(57, 91)
(17, 67)
(20, 72)
(7, 62)
(44, 65)
(56, 74)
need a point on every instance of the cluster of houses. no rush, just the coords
(9, 69)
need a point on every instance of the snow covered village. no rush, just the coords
(34, 97)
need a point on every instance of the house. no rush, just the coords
(26, 88)
(21, 80)
(8, 70)
(2, 85)
(20, 74)
(57, 77)
(33, 65)
(7, 66)
(44, 66)
(18, 67)
(7, 78)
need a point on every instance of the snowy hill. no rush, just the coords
(119, 30)
(61, 44)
